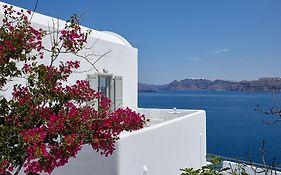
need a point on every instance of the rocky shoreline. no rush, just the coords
(260, 85)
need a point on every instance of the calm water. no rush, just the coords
(233, 125)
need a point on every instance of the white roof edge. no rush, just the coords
(126, 42)
(47, 20)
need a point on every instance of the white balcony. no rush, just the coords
(172, 140)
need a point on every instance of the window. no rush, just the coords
(110, 86)
(104, 83)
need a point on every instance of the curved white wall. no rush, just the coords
(121, 60)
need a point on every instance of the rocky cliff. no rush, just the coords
(262, 84)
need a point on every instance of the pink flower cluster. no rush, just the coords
(51, 121)
(72, 36)
(62, 133)
(19, 41)
(4, 166)
(20, 38)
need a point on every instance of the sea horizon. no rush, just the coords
(234, 127)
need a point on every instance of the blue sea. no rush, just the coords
(234, 128)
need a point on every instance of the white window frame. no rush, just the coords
(115, 88)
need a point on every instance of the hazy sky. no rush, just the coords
(177, 39)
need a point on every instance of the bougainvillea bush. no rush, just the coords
(47, 122)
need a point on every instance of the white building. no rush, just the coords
(172, 140)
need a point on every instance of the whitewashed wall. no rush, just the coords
(161, 149)
(121, 60)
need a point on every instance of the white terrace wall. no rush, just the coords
(121, 59)
(160, 149)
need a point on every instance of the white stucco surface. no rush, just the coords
(170, 141)
(121, 58)
(49, 21)
(161, 148)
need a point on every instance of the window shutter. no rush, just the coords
(118, 92)
(94, 84)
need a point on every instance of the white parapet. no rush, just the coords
(171, 141)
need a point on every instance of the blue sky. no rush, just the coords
(177, 39)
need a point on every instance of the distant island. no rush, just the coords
(260, 85)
